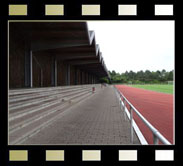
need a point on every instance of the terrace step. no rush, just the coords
(25, 122)
(17, 98)
(44, 98)
(26, 118)
(23, 91)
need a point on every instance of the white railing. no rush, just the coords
(157, 136)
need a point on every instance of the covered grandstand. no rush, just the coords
(44, 54)
(52, 66)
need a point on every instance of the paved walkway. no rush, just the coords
(96, 120)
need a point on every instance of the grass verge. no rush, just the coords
(164, 88)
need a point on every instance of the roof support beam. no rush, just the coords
(28, 68)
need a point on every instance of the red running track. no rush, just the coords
(156, 107)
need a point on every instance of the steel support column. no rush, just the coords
(28, 69)
(81, 77)
(68, 74)
(75, 76)
(54, 73)
(88, 78)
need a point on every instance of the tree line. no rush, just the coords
(142, 77)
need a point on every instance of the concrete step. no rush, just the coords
(30, 118)
(31, 109)
(43, 89)
(28, 130)
(34, 108)
(30, 91)
(34, 102)
(17, 98)
(22, 130)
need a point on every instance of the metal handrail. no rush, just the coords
(156, 134)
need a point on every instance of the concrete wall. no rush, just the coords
(83, 77)
(16, 61)
(37, 75)
(72, 75)
(44, 63)
(61, 70)
(78, 76)
(17, 51)
(42, 67)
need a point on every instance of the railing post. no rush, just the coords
(120, 104)
(124, 102)
(155, 139)
(119, 98)
(131, 127)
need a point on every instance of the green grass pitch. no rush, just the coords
(164, 88)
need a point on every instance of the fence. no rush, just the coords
(157, 136)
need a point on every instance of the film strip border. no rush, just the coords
(97, 10)
(86, 155)
(85, 11)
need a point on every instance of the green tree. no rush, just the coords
(142, 77)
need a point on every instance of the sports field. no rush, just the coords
(156, 107)
(164, 88)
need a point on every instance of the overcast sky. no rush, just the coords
(135, 45)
